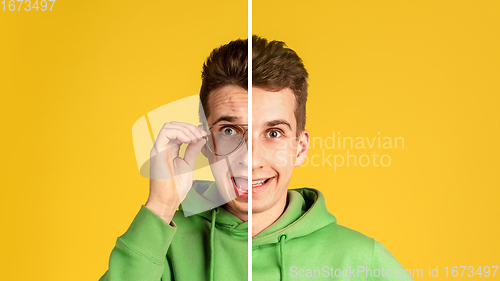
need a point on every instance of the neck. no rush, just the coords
(262, 220)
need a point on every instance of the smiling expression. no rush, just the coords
(276, 147)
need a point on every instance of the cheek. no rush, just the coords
(219, 168)
(285, 157)
(212, 159)
(238, 158)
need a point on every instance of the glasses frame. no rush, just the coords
(239, 144)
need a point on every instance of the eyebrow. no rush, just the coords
(278, 122)
(227, 118)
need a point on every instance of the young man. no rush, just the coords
(164, 244)
(294, 235)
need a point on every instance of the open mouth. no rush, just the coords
(241, 185)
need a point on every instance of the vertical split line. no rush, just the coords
(249, 150)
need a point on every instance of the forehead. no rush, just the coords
(228, 101)
(268, 106)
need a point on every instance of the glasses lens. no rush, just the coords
(224, 139)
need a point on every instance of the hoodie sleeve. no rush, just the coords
(140, 253)
(385, 262)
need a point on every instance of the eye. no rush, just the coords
(273, 134)
(228, 131)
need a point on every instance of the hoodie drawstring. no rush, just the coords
(212, 245)
(282, 239)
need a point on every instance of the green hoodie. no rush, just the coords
(306, 243)
(212, 245)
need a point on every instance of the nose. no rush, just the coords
(257, 154)
(242, 154)
(243, 160)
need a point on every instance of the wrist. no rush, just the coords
(164, 211)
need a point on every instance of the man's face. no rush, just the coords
(228, 106)
(276, 149)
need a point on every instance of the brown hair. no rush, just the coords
(275, 67)
(226, 65)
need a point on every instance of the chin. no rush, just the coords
(238, 207)
(272, 198)
(260, 205)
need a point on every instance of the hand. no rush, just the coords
(171, 176)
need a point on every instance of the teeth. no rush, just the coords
(258, 183)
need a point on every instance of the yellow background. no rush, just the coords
(73, 82)
(427, 71)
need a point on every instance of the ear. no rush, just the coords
(302, 148)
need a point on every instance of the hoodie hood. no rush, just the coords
(305, 213)
(202, 199)
(306, 240)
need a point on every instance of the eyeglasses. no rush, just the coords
(224, 139)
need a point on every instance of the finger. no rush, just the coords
(167, 134)
(192, 152)
(202, 130)
(170, 135)
(195, 130)
(170, 140)
(184, 129)
(173, 152)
